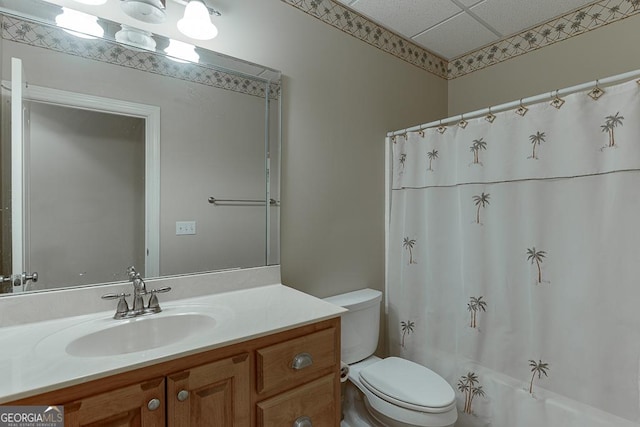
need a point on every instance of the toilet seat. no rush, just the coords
(408, 385)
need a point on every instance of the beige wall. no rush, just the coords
(341, 96)
(604, 52)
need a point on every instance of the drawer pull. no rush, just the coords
(303, 422)
(153, 404)
(183, 395)
(301, 361)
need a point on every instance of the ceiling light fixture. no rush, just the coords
(79, 24)
(92, 2)
(196, 22)
(135, 37)
(151, 11)
(182, 52)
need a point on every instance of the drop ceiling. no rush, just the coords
(453, 28)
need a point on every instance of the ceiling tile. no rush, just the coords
(456, 36)
(469, 3)
(509, 16)
(406, 17)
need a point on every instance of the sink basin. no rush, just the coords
(174, 328)
(140, 334)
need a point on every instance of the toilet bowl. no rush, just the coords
(400, 393)
(391, 392)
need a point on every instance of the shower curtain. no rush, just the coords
(514, 260)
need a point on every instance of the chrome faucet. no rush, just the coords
(139, 291)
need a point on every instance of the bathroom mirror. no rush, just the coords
(130, 156)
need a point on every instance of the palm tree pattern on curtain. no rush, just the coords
(537, 368)
(469, 385)
(475, 305)
(536, 139)
(480, 201)
(403, 159)
(478, 144)
(611, 122)
(407, 329)
(536, 257)
(408, 244)
(432, 155)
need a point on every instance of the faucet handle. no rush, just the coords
(122, 307)
(115, 296)
(153, 300)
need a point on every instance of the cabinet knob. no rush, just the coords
(153, 404)
(301, 361)
(303, 421)
(183, 395)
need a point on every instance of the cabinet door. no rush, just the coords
(315, 402)
(139, 405)
(216, 394)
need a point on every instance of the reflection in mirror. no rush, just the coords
(99, 193)
(97, 200)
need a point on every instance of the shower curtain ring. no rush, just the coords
(557, 102)
(421, 132)
(490, 117)
(521, 110)
(441, 129)
(596, 92)
(462, 123)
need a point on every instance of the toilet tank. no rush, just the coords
(360, 325)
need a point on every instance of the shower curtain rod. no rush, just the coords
(522, 102)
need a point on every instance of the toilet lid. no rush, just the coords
(408, 385)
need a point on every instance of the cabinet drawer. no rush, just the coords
(311, 353)
(315, 400)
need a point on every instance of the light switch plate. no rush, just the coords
(185, 227)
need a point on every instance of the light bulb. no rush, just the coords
(182, 52)
(151, 11)
(79, 24)
(134, 37)
(196, 22)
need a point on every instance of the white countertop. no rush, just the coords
(33, 359)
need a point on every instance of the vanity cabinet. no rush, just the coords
(215, 394)
(289, 378)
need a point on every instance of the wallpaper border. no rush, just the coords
(579, 21)
(360, 27)
(53, 38)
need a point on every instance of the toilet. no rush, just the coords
(391, 392)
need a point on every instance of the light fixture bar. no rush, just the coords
(212, 11)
